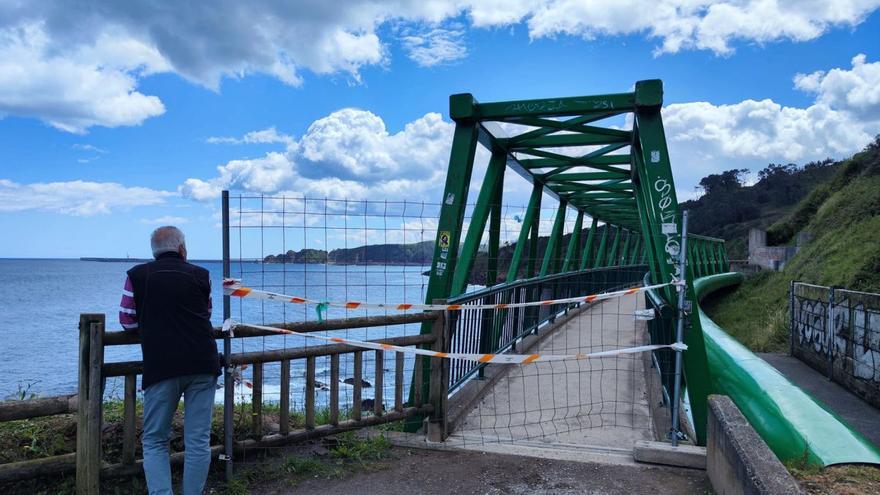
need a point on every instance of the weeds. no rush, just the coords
(23, 391)
(355, 449)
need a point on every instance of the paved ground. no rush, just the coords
(862, 416)
(464, 473)
(571, 426)
(595, 402)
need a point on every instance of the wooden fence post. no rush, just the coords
(438, 390)
(284, 414)
(90, 410)
(257, 402)
(129, 423)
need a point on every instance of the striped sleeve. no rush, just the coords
(127, 311)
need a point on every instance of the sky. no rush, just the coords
(118, 117)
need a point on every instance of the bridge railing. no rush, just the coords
(498, 330)
(90, 460)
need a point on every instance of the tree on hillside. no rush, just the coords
(726, 181)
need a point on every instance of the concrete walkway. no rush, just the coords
(596, 404)
(862, 416)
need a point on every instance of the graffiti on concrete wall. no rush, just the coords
(811, 330)
(854, 340)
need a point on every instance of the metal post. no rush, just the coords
(791, 319)
(679, 331)
(829, 333)
(228, 390)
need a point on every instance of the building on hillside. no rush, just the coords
(772, 257)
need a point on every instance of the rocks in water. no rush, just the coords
(319, 385)
(369, 405)
(351, 381)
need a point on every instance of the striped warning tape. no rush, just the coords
(229, 326)
(233, 287)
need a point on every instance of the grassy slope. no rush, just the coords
(844, 218)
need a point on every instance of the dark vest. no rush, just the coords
(174, 317)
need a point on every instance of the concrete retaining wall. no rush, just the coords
(852, 338)
(738, 461)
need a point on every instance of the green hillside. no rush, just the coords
(729, 208)
(843, 216)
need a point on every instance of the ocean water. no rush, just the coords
(41, 300)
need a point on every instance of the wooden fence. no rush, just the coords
(93, 372)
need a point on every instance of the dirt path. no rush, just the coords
(463, 473)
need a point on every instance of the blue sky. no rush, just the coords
(118, 123)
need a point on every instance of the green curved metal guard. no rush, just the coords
(792, 422)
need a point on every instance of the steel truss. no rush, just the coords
(619, 178)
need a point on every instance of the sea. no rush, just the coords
(41, 301)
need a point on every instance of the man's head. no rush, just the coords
(168, 239)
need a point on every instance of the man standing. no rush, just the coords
(169, 302)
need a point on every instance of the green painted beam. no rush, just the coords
(565, 140)
(621, 260)
(713, 263)
(600, 254)
(574, 241)
(589, 160)
(617, 159)
(455, 194)
(604, 195)
(576, 125)
(793, 424)
(548, 107)
(494, 235)
(449, 226)
(555, 238)
(562, 178)
(576, 186)
(494, 177)
(588, 247)
(636, 250)
(612, 255)
(532, 212)
(660, 208)
(549, 126)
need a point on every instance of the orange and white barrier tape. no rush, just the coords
(229, 326)
(233, 287)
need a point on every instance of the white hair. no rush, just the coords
(166, 239)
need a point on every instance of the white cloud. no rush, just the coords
(75, 75)
(434, 45)
(166, 220)
(764, 130)
(79, 198)
(856, 91)
(95, 152)
(89, 147)
(705, 138)
(265, 136)
(677, 24)
(73, 91)
(352, 143)
(348, 154)
(266, 174)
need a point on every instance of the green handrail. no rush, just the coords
(792, 422)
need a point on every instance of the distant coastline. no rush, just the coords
(144, 260)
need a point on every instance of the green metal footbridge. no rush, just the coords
(604, 159)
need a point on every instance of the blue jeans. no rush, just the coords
(160, 402)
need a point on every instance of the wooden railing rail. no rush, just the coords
(93, 372)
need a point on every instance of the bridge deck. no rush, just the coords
(599, 403)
